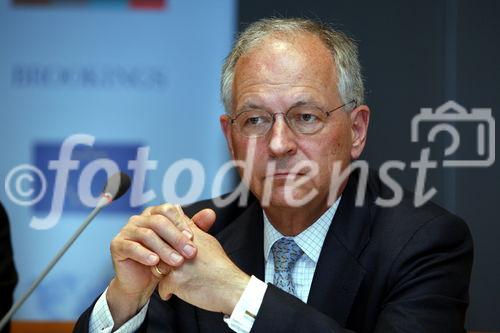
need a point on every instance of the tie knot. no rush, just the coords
(285, 253)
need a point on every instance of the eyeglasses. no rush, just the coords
(303, 119)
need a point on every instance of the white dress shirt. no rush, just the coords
(241, 320)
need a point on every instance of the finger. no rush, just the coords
(164, 296)
(123, 249)
(147, 211)
(160, 270)
(148, 238)
(169, 233)
(165, 289)
(204, 219)
(175, 214)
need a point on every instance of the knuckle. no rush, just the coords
(135, 248)
(179, 240)
(131, 232)
(157, 220)
(116, 242)
(113, 246)
(170, 210)
(147, 210)
(152, 222)
(134, 219)
(147, 233)
(166, 208)
(177, 223)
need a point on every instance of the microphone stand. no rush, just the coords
(103, 202)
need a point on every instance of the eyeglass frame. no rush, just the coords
(273, 117)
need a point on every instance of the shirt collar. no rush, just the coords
(310, 240)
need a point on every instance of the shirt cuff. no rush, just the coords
(245, 311)
(101, 320)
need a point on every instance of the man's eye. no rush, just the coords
(255, 121)
(307, 118)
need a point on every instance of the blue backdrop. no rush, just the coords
(127, 77)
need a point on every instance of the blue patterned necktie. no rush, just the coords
(285, 254)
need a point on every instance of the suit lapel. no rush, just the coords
(338, 274)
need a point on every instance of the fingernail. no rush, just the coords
(175, 257)
(187, 233)
(152, 258)
(188, 250)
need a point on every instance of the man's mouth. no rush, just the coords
(285, 174)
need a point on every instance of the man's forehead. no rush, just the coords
(295, 60)
(286, 49)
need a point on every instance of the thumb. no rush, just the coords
(204, 219)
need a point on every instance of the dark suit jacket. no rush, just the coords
(400, 269)
(8, 275)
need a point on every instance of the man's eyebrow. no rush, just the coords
(249, 106)
(305, 102)
(301, 103)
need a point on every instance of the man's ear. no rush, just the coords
(225, 124)
(360, 117)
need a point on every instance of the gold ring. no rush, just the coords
(158, 270)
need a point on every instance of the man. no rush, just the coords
(300, 256)
(8, 274)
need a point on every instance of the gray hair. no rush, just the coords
(343, 49)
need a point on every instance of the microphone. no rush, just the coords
(116, 186)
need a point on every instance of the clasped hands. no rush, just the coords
(192, 263)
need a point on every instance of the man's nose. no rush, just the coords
(282, 138)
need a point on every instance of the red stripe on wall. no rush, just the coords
(147, 4)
